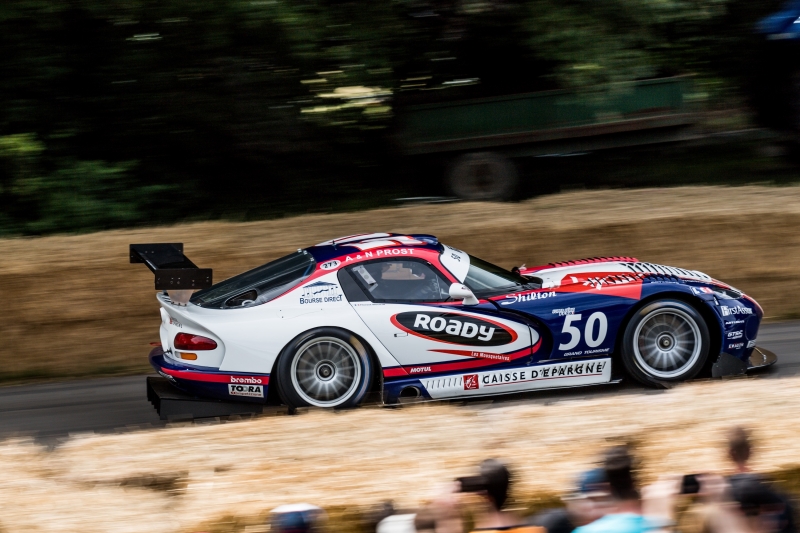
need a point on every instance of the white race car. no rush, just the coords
(406, 315)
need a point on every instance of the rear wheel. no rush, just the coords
(665, 341)
(327, 367)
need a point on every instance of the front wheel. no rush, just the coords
(327, 367)
(665, 341)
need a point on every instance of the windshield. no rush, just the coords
(486, 279)
(259, 285)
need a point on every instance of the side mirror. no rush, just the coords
(460, 291)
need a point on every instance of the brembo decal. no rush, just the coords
(454, 328)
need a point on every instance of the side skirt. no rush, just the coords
(549, 376)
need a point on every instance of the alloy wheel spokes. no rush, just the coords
(668, 342)
(325, 371)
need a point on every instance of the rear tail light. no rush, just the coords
(187, 341)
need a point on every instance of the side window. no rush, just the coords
(400, 280)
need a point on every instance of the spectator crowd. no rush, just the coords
(605, 499)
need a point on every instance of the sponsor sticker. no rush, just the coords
(736, 346)
(734, 322)
(320, 292)
(175, 323)
(418, 369)
(591, 368)
(330, 265)
(735, 310)
(702, 290)
(246, 379)
(735, 334)
(454, 328)
(751, 344)
(478, 355)
(471, 382)
(251, 391)
(380, 253)
(527, 297)
(564, 312)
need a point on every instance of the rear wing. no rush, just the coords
(173, 270)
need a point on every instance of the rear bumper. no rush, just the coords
(209, 383)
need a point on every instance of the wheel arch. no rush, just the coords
(376, 386)
(711, 319)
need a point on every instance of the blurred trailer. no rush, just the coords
(773, 76)
(480, 138)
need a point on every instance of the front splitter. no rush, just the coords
(761, 358)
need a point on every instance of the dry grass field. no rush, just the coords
(72, 305)
(226, 477)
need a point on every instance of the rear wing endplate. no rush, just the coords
(173, 270)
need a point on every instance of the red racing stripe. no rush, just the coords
(213, 378)
(399, 371)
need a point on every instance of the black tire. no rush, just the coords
(324, 367)
(665, 342)
(482, 176)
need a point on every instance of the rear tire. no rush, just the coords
(665, 341)
(482, 176)
(325, 367)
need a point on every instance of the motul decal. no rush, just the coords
(454, 328)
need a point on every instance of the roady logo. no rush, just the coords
(320, 292)
(736, 310)
(529, 297)
(454, 328)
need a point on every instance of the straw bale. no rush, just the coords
(186, 477)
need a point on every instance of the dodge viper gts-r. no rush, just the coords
(408, 316)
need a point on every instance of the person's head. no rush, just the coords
(497, 479)
(619, 467)
(493, 482)
(589, 501)
(296, 518)
(739, 447)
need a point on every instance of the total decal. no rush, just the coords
(538, 377)
(454, 328)
(320, 292)
(735, 310)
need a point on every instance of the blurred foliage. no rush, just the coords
(252, 108)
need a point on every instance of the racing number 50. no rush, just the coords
(588, 332)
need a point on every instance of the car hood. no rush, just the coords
(607, 271)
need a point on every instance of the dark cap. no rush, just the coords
(295, 518)
(589, 484)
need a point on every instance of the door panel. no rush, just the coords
(422, 335)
